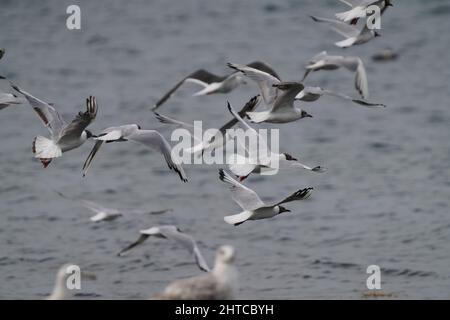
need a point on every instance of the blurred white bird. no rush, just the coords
(61, 290)
(219, 284)
(323, 61)
(171, 233)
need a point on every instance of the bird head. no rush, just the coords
(289, 157)
(283, 209)
(306, 114)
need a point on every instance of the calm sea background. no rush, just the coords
(385, 199)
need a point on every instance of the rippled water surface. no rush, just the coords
(384, 200)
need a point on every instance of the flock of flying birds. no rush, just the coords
(280, 96)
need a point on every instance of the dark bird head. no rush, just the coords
(289, 157)
(89, 134)
(283, 209)
(306, 114)
(376, 34)
(139, 127)
(389, 3)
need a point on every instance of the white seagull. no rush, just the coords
(212, 83)
(254, 208)
(103, 213)
(323, 61)
(171, 233)
(359, 9)
(353, 35)
(64, 136)
(219, 284)
(310, 94)
(260, 160)
(133, 132)
(283, 109)
(218, 140)
(60, 290)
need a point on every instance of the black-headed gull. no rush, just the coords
(64, 136)
(323, 61)
(353, 35)
(254, 208)
(283, 109)
(133, 132)
(258, 161)
(212, 83)
(171, 233)
(359, 9)
(218, 140)
(219, 284)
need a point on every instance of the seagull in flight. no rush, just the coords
(212, 83)
(283, 109)
(102, 213)
(254, 208)
(219, 284)
(353, 35)
(217, 140)
(260, 160)
(133, 132)
(171, 233)
(359, 9)
(64, 136)
(323, 61)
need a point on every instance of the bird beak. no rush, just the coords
(287, 210)
(309, 116)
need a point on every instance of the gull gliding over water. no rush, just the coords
(212, 83)
(353, 35)
(218, 140)
(108, 214)
(132, 132)
(261, 159)
(64, 136)
(323, 61)
(254, 208)
(219, 284)
(171, 233)
(359, 9)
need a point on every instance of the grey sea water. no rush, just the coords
(384, 200)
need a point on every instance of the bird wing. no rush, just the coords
(91, 156)
(286, 98)
(187, 242)
(139, 241)
(200, 77)
(262, 66)
(340, 27)
(357, 101)
(47, 113)
(361, 83)
(264, 80)
(298, 195)
(245, 197)
(153, 139)
(82, 120)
